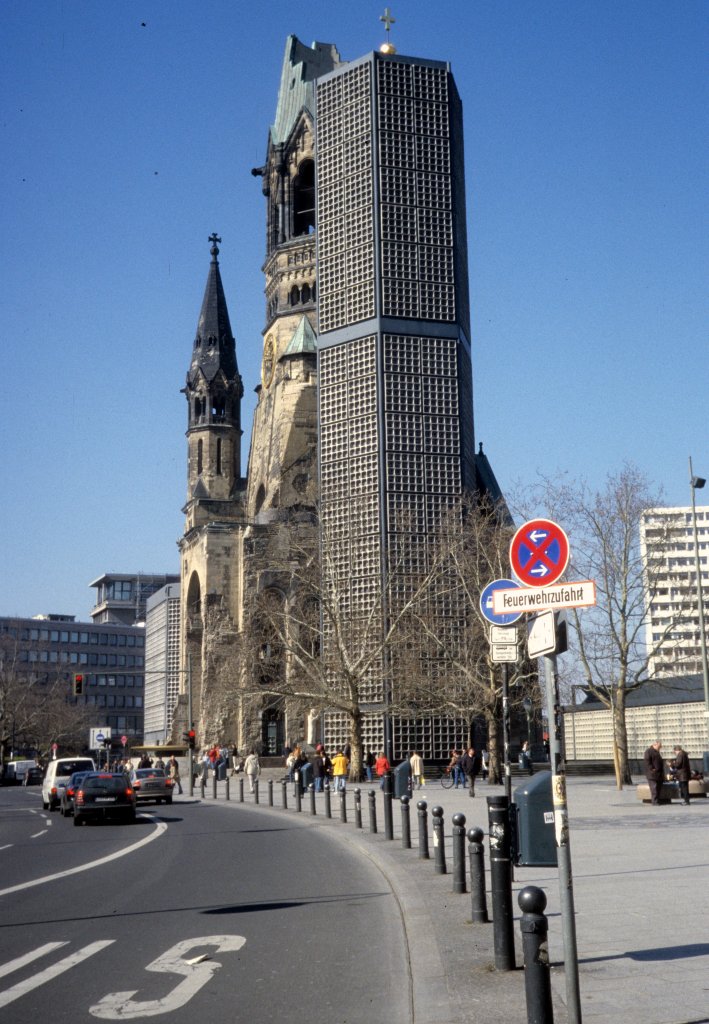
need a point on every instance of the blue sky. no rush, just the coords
(129, 130)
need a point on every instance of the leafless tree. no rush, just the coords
(610, 641)
(452, 636)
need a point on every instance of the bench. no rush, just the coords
(698, 789)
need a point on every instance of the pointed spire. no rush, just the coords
(303, 340)
(214, 346)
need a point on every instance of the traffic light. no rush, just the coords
(78, 684)
(191, 739)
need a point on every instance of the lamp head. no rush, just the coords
(697, 482)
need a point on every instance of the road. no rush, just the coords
(196, 912)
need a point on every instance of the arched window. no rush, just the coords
(305, 293)
(219, 456)
(304, 199)
(295, 295)
(199, 458)
(260, 497)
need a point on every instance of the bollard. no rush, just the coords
(241, 791)
(311, 790)
(298, 794)
(476, 856)
(405, 823)
(423, 829)
(501, 882)
(214, 786)
(201, 787)
(372, 811)
(439, 842)
(256, 790)
(284, 794)
(358, 807)
(270, 792)
(535, 949)
(328, 806)
(343, 806)
(388, 810)
(226, 791)
(459, 853)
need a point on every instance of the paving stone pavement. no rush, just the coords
(640, 879)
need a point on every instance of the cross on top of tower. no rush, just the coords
(388, 46)
(214, 238)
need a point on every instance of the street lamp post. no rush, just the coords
(695, 484)
(527, 705)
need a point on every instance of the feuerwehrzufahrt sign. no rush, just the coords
(579, 594)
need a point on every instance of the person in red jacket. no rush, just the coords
(381, 767)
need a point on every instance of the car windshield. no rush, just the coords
(77, 777)
(150, 773)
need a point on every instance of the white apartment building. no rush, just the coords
(162, 662)
(668, 553)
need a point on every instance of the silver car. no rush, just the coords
(151, 784)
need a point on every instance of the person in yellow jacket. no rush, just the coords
(340, 764)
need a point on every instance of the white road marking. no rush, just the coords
(160, 827)
(23, 987)
(35, 954)
(6, 847)
(42, 833)
(121, 1005)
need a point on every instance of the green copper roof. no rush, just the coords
(303, 340)
(301, 66)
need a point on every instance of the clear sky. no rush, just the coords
(129, 130)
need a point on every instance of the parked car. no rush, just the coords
(151, 784)
(33, 777)
(102, 795)
(14, 772)
(57, 778)
(66, 804)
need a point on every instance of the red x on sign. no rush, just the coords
(539, 553)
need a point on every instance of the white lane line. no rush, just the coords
(23, 987)
(160, 827)
(42, 833)
(6, 846)
(35, 954)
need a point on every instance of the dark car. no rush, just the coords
(102, 795)
(33, 777)
(151, 784)
(66, 804)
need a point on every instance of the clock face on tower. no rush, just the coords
(269, 360)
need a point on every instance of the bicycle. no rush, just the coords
(446, 778)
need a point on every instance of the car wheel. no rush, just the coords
(45, 805)
(78, 821)
(169, 800)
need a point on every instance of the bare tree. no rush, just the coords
(610, 640)
(36, 709)
(313, 645)
(458, 677)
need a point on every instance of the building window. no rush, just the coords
(304, 199)
(219, 456)
(199, 457)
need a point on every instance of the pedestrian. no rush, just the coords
(173, 770)
(369, 765)
(525, 759)
(318, 770)
(252, 769)
(234, 759)
(205, 767)
(682, 771)
(455, 769)
(381, 767)
(290, 761)
(327, 768)
(485, 758)
(340, 765)
(416, 762)
(654, 770)
(470, 764)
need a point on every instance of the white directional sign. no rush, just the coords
(581, 594)
(541, 635)
(98, 736)
(503, 634)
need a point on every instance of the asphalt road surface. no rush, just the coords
(196, 913)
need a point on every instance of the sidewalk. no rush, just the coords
(640, 877)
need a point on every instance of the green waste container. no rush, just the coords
(533, 823)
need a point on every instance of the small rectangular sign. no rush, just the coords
(503, 634)
(504, 652)
(580, 594)
(541, 635)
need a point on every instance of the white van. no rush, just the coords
(57, 777)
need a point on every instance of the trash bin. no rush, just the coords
(306, 776)
(534, 835)
(402, 780)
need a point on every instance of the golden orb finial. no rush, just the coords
(388, 46)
